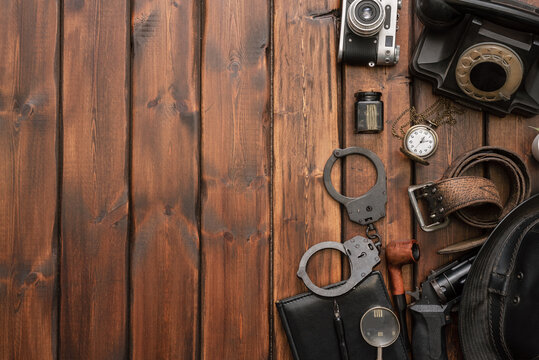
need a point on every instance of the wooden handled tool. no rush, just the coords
(399, 253)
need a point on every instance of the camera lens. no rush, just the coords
(365, 17)
(367, 13)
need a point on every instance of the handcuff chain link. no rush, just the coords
(372, 234)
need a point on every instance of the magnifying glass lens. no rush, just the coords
(380, 328)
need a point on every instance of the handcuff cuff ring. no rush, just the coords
(370, 206)
(362, 255)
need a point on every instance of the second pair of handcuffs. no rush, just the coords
(362, 252)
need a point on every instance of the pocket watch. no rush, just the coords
(420, 141)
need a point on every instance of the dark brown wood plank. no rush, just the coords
(166, 133)
(513, 133)
(465, 135)
(93, 323)
(236, 174)
(306, 130)
(28, 179)
(360, 175)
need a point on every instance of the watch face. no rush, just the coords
(421, 141)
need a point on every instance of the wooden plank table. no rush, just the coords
(162, 172)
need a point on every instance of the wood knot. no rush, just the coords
(27, 110)
(16, 106)
(154, 102)
(181, 106)
(234, 65)
(75, 4)
(31, 278)
(145, 27)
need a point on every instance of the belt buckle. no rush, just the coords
(419, 216)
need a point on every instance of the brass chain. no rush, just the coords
(437, 114)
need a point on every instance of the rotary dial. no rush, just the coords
(421, 141)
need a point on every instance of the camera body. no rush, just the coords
(481, 53)
(368, 32)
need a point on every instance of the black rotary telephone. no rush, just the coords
(481, 53)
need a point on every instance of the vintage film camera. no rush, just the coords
(481, 53)
(368, 32)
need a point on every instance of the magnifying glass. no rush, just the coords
(380, 328)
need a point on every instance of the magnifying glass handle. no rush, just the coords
(379, 356)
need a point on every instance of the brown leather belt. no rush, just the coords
(474, 199)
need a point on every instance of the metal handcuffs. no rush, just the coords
(362, 256)
(362, 252)
(369, 207)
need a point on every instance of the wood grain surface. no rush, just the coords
(165, 180)
(235, 222)
(306, 131)
(359, 173)
(161, 172)
(95, 107)
(29, 87)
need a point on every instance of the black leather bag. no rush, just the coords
(499, 310)
(308, 322)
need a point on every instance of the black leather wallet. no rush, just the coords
(308, 322)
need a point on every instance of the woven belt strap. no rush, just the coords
(476, 200)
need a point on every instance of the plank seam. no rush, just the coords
(60, 171)
(341, 84)
(271, 176)
(485, 128)
(412, 102)
(129, 160)
(201, 23)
